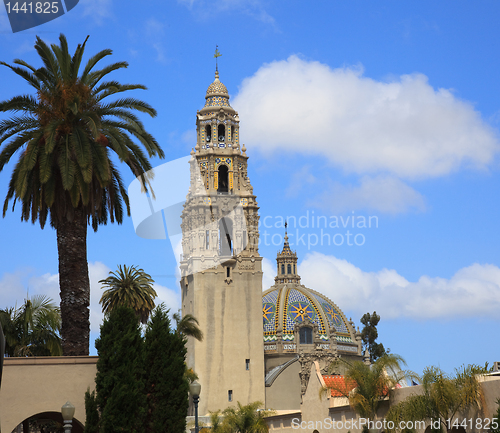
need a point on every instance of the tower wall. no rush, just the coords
(221, 267)
(230, 315)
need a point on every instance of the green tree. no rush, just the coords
(166, 385)
(443, 396)
(32, 329)
(129, 287)
(366, 386)
(241, 419)
(369, 335)
(496, 428)
(66, 135)
(188, 326)
(91, 413)
(120, 384)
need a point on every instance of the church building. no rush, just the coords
(258, 345)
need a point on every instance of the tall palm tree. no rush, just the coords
(32, 329)
(129, 287)
(188, 326)
(443, 397)
(367, 385)
(65, 136)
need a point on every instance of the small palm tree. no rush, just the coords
(66, 136)
(33, 329)
(188, 326)
(443, 397)
(367, 385)
(129, 287)
(241, 419)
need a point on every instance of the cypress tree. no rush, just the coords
(369, 334)
(166, 385)
(120, 373)
(91, 413)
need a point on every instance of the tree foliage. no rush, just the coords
(166, 385)
(91, 413)
(497, 416)
(366, 386)
(140, 383)
(33, 328)
(120, 382)
(66, 135)
(188, 326)
(443, 397)
(129, 287)
(369, 335)
(241, 419)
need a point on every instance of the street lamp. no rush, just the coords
(68, 412)
(195, 389)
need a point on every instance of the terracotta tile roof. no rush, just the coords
(337, 383)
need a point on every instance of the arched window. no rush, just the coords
(221, 132)
(223, 178)
(208, 133)
(232, 133)
(289, 268)
(306, 335)
(294, 270)
(283, 269)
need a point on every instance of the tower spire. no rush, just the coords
(217, 55)
(287, 262)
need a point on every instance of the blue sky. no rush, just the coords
(355, 109)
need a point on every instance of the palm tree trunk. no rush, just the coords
(74, 284)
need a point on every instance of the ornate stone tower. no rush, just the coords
(221, 269)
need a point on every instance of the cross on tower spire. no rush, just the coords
(217, 55)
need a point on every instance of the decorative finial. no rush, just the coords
(217, 55)
(286, 225)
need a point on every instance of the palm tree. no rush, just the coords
(367, 385)
(65, 136)
(129, 287)
(241, 419)
(33, 329)
(443, 397)
(188, 326)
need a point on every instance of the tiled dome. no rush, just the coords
(217, 88)
(285, 305)
(217, 95)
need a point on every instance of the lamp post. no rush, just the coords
(195, 389)
(68, 412)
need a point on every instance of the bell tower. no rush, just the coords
(221, 269)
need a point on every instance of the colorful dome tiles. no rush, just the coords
(285, 306)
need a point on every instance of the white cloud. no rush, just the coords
(98, 10)
(16, 286)
(473, 291)
(404, 127)
(383, 194)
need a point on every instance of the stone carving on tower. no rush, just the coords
(220, 217)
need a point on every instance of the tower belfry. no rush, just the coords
(221, 269)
